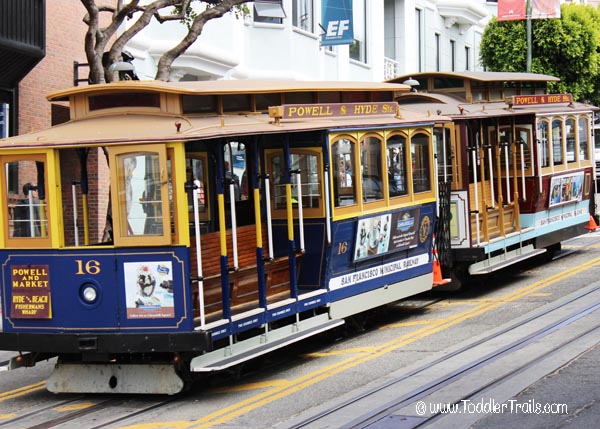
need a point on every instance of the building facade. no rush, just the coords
(391, 37)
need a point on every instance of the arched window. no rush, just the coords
(344, 172)
(421, 164)
(396, 155)
(370, 164)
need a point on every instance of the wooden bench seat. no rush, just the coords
(243, 282)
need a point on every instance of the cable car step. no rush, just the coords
(259, 345)
(504, 260)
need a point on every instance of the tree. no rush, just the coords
(104, 45)
(567, 48)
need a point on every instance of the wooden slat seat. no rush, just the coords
(243, 283)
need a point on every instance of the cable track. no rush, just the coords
(425, 390)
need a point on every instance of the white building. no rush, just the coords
(391, 37)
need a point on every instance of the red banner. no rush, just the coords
(510, 10)
(541, 9)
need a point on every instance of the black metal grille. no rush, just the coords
(442, 226)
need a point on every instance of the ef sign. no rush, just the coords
(337, 20)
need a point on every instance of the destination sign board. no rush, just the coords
(528, 100)
(299, 111)
(30, 292)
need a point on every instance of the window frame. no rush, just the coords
(117, 202)
(307, 212)
(27, 242)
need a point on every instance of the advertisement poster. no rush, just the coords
(386, 233)
(149, 289)
(566, 189)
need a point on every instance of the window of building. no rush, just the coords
(269, 11)
(437, 51)
(453, 55)
(419, 36)
(467, 58)
(358, 49)
(302, 14)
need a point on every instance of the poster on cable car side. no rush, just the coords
(567, 188)
(149, 289)
(386, 233)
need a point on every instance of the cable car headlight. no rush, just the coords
(89, 293)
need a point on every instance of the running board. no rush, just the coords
(504, 260)
(259, 345)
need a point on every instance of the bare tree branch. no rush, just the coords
(97, 40)
(217, 11)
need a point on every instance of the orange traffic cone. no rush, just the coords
(437, 269)
(592, 226)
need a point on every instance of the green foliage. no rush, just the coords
(568, 48)
(190, 14)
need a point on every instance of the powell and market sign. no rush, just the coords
(337, 22)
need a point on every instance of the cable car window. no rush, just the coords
(27, 208)
(442, 138)
(370, 164)
(570, 130)
(308, 164)
(557, 149)
(420, 162)
(277, 184)
(139, 182)
(196, 176)
(234, 168)
(543, 143)
(397, 180)
(140, 194)
(584, 147)
(343, 151)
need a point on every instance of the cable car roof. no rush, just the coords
(224, 87)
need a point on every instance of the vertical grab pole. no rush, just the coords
(221, 184)
(490, 165)
(75, 227)
(31, 212)
(290, 222)
(436, 172)
(269, 221)
(474, 158)
(445, 155)
(233, 225)
(327, 190)
(300, 212)
(195, 194)
(327, 207)
(506, 171)
(539, 156)
(521, 144)
(253, 183)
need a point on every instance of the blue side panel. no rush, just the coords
(378, 250)
(138, 290)
(281, 311)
